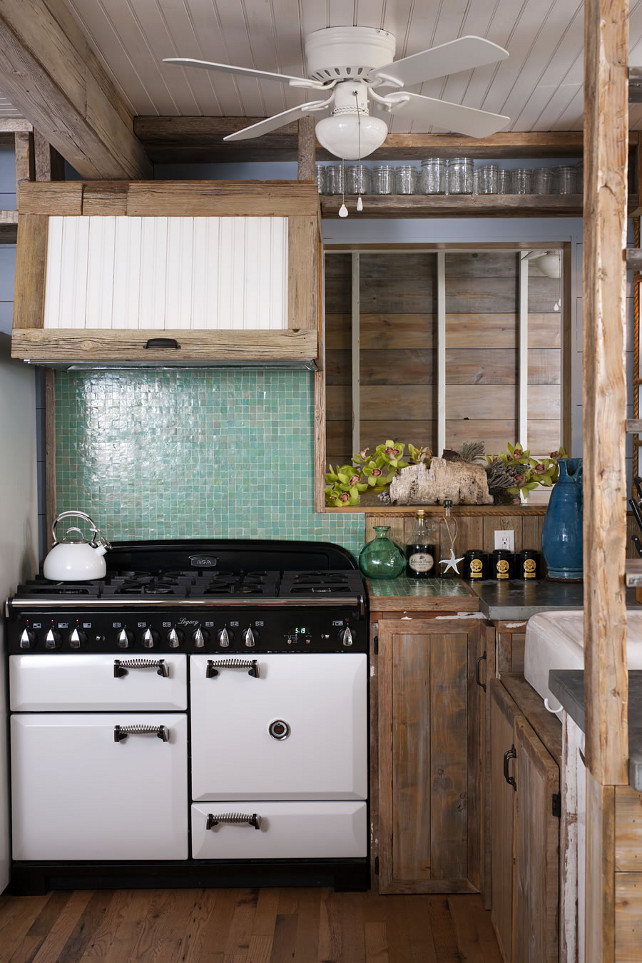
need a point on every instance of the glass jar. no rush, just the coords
(503, 181)
(460, 175)
(334, 179)
(405, 179)
(357, 179)
(381, 558)
(521, 181)
(383, 179)
(485, 179)
(542, 180)
(432, 176)
(320, 178)
(566, 180)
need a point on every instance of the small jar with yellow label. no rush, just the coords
(475, 565)
(501, 567)
(527, 564)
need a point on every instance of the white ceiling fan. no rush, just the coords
(351, 65)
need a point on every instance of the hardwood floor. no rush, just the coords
(244, 926)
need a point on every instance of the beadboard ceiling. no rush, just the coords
(539, 87)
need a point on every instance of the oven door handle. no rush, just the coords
(213, 665)
(233, 819)
(121, 732)
(121, 666)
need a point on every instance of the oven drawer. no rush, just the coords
(287, 830)
(96, 682)
(298, 730)
(78, 792)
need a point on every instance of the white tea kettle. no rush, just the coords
(73, 560)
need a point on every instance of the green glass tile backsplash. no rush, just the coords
(193, 453)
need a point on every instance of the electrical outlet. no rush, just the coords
(505, 538)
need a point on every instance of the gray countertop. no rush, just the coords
(568, 686)
(517, 600)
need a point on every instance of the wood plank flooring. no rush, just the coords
(244, 926)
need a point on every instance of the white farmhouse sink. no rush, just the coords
(554, 640)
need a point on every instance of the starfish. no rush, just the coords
(451, 563)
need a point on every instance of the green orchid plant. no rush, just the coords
(369, 471)
(518, 473)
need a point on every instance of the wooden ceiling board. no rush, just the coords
(539, 86)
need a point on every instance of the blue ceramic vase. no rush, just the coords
(562, 537)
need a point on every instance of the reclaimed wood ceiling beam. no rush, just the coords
(48, 71)
(171, 140)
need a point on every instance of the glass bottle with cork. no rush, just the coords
(420, 551)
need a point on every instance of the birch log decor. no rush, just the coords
(462, 482)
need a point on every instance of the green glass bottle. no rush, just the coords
(381, 558)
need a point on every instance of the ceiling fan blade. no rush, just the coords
(244, 72)
(451, 117)
(280, 120)
(448, 58)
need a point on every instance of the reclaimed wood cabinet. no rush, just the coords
(173, 272)
(524, 829)
(429, 674)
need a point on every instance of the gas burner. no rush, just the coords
(319, 583)
(250, 583)
(42, 588)
(143, 583)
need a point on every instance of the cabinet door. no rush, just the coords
(503, 811)
(537, 851)
(429, 757)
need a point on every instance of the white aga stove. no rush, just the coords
(196, 718)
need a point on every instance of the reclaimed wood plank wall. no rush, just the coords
(398, 342)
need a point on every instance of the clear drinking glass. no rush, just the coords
(432, 176)
(460, 175)
(542, 180)
(320, 178)
(521, 181)
(503, 181)
(357, 179)
(485, 179)
(383, 179)
(405, 179)
(334, 179)
(566, 180)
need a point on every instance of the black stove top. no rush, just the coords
(120, 588)
(225, 598)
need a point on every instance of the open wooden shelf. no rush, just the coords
(8, 227)
(468, 205)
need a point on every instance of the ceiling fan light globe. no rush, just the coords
(351, 137)
(550, 265)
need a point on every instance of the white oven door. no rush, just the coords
(83, 787)
(297, 731)
(97, 682)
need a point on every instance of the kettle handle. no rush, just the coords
(96, 537)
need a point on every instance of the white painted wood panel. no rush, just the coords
(536, 86)
(158, 272)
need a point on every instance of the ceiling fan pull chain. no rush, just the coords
(356, 99)
(343, 210)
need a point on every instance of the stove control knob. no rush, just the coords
(199, 638)
(76, 639)
(224, 638)
(249, 638)
(52, 639)
(124, 639)
(27, 639)
(150, 638)
(345, 637)
(174, 638)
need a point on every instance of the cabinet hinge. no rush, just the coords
(376, 865)
(556, 804)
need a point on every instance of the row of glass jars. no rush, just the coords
(456, 175)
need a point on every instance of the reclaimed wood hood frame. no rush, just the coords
(298, 343)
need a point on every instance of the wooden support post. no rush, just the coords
(604, 398)
(307, 149)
